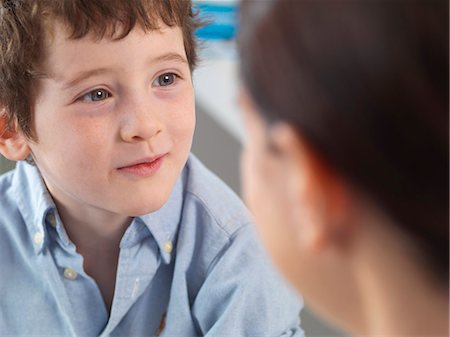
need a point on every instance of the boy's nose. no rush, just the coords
(141, 121)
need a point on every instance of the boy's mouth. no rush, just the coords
(144, 167)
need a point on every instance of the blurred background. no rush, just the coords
(219, 133)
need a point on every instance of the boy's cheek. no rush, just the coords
(182, 128)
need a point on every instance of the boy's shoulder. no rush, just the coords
(213, 199)
(6, 181)
(7, 192)
(23, 197)
(16, 214)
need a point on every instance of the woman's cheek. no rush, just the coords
(249, 179)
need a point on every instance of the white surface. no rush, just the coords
(216, 83)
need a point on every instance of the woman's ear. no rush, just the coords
(320, 199)
(13, 144)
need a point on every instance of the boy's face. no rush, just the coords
(114, 120)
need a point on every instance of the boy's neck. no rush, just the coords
(97, 237)
(92, 229)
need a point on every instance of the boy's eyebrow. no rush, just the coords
(174, 57)
(170, 57)
(84, 75)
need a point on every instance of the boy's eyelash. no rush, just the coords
(171, 73)
(107, 94)
(97, 95)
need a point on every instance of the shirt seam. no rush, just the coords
(219, 223)
(225, 247)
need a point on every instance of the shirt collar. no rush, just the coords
(34, 202)
(163, 224)
(38, 209)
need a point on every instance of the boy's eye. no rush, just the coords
(95, 95)
(165, 80)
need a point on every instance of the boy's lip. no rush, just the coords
(146, 160)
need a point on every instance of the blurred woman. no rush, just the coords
(347, 160)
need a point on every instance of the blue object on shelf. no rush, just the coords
(221, 18)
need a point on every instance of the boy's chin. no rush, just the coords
(145, 209)
(146, 200)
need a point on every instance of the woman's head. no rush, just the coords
(347, 109)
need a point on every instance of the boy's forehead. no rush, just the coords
(62, 50)
(58, 31)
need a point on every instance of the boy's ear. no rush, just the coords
(13, 143)
(320, 199)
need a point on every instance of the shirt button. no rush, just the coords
(168, 247)
(38, 238)
(51, 219)
(70, 274)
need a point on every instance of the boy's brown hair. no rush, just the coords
(24, 24)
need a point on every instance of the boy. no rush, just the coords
(111, 228)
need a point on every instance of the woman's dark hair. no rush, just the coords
(366, 85)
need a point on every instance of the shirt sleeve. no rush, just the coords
(243, 295)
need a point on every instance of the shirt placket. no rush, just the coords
(138, 263)
(79, 294)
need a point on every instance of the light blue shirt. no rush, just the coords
(193, 268)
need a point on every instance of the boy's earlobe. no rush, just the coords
(13, 144)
